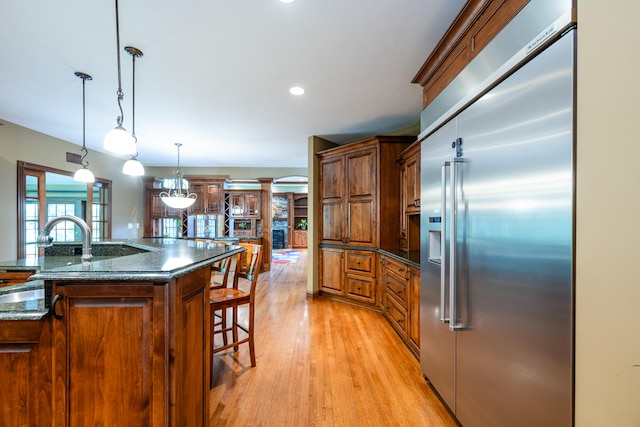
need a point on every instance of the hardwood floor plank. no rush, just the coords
(320, 363)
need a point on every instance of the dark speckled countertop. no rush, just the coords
(159, 260)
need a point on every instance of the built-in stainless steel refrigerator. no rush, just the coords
(497, 233)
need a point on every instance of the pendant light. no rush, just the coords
(118, 140)
(133, 166)
(83, 174)
(176, 198)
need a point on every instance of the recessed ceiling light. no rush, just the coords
(287, 1)
(296, 90)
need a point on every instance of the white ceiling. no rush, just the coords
(215, 74)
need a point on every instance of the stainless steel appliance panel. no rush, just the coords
(437, 343)
(511, 339)
(514, 359)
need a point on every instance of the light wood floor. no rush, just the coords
(319, 363)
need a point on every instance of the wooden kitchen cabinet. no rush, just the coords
(299, 239)
(209, 199)
(409, 161)
(14, 277)
(332, 270)
(359, 208)
(349, 274)
(413, 307)
(477, 23)
(25, 360)
(358, 189)
(360, 275)
(399, 286)
(132, 353)
(244, 204)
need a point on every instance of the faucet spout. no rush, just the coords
(45, 240)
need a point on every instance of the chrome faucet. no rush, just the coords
(45, 240)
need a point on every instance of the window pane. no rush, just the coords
(32, 186)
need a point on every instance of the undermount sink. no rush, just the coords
(98, 249)
(22, 296)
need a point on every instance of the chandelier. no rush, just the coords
(175, 198)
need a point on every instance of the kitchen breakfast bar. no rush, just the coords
(121, 341)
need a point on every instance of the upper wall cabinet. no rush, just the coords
(244, 204)
(209, 192)
(476, 25)
(359, 200)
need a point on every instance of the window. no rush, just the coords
(202, 226)
(45, 193)
(170, 227)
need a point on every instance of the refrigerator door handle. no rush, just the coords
(443, 225)
(453, 322)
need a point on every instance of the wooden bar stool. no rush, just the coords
(247, 269)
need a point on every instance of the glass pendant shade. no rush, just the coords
(119, 141)
(176, 200)
(133, 167)
(84, 175)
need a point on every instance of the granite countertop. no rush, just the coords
(34, 309)
(159, 260)
(162, 260)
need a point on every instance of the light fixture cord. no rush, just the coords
(84, 151)
(120, 92)
(133, 111)
(178, 173)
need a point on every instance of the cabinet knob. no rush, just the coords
(399, 292)
(400, 320)
(3, 281)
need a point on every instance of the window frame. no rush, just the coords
(25, 169)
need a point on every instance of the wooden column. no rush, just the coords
(265, 214)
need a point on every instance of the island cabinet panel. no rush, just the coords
(191, 369)
(107, 361)
(132, 353)
(25, 361)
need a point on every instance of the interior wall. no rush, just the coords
(608, 206)
(19, 143)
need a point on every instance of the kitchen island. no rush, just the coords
(122, 341)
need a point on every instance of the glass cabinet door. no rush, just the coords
(251, 202)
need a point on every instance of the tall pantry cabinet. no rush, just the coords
(359, 208)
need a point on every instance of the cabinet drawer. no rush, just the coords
(397, 287)
(361, 262)
(396, 314)
(361, 288)
(14, 277)
(395, 267)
